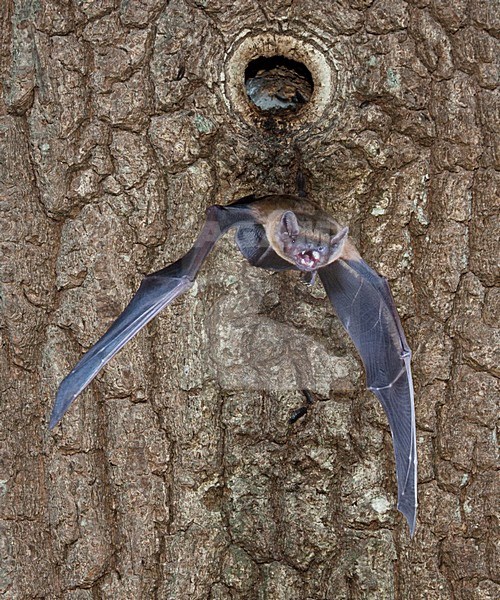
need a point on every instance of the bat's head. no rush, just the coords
(307, 244)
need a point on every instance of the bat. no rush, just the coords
(282, 232)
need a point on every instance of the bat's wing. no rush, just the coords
(254, 245)
(363, 302)
(155, 292)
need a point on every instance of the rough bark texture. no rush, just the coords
(176, 474)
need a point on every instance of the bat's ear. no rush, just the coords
(339, 237)
(289, 224)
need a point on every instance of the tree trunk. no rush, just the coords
(176, 474)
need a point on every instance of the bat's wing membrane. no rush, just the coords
(155, 293)
(363, 302)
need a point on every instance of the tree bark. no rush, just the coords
(176, 474)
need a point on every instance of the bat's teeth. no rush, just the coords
(309, 258)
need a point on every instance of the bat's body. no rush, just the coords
(278, 233)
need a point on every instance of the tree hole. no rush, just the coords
(277, 84)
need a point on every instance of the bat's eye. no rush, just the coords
(293, 240)
(321, 248)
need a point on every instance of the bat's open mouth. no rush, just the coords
(308, 259)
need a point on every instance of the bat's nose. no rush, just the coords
(310, 246)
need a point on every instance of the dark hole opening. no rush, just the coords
(278, 84)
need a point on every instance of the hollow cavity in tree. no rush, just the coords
(278, 84)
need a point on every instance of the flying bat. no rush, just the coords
(282, 232)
